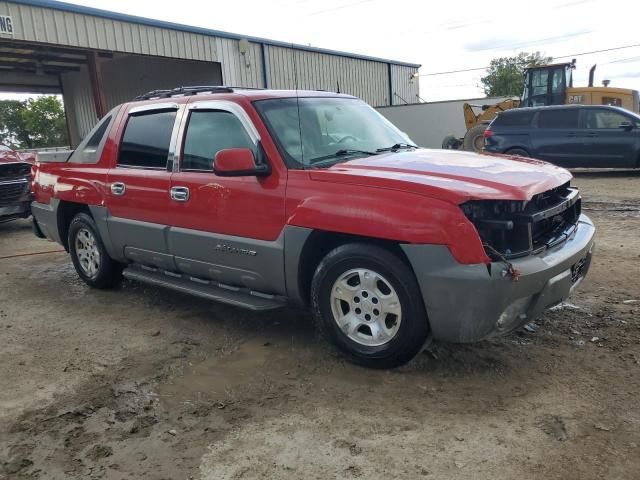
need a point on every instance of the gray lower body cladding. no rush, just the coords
(47, 217)
(256, 265)
(467, 303)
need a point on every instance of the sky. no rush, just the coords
(442, 36)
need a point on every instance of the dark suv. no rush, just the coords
(569, 135)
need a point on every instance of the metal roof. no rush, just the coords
(80, 9)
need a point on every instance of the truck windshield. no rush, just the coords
(314, 132)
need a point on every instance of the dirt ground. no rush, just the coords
(143, 383)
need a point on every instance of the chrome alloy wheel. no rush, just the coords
(366, 307)
(87, 252)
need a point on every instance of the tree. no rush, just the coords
(505, 74)
(34, 123)
(12, 131)
(45, 121)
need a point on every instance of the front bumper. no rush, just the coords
(467, 303)
(19, 210)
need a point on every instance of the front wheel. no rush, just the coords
(368, 301)
(89, 257)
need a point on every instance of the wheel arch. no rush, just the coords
(66, 211)
(512, 148)
(313, 248)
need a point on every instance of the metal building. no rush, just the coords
(98, 59)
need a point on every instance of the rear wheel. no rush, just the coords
(474, 139)
(521, 152)
(369, 303)
(89, 257)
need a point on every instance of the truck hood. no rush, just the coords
(9, 156)
(450, 175)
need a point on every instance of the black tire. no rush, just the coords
(108, 272)
(521, 152)
(451, 142)
(474, 139)
(413, 327)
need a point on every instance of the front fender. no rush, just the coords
(383, 213)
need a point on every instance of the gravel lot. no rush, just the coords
(143, 383)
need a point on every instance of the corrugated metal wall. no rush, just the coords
(150, 73)
(144, 73)
(238, 69)
(47, 25)
(366, 79)
(78, 103)
(405, 85)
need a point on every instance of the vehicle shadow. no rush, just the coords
(14, 226)
(307, 343)
(593, 172)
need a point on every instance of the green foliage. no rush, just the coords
(12, 131)
(35, 123)
(505, 74)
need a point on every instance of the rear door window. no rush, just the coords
(514, 119)
(558, 118)
(146, 139)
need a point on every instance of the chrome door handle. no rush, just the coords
(179, 194)
(118, 188)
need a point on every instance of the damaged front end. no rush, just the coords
(15, 190)
(512, 229)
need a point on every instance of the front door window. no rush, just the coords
(208, 132)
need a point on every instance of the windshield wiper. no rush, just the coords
(340, 153)
(396, 147)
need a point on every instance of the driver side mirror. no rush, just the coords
(239, 162)
(627, 126)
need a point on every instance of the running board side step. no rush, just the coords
(209, 290)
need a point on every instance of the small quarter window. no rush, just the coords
(90, 148)
(208, 132)
(146, 139)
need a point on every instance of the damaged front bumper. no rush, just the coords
(467, 303)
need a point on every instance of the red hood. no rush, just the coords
(450, 174)
(9, 156)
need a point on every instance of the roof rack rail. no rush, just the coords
(191, 90)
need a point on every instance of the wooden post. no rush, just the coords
(95, 75)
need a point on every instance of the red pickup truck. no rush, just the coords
(263, 198)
